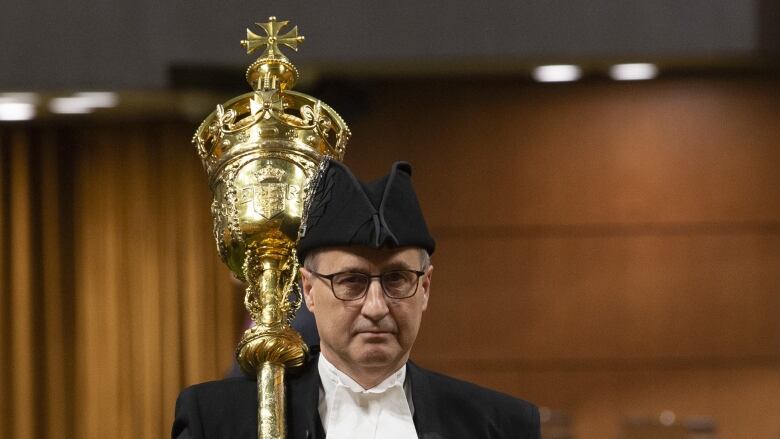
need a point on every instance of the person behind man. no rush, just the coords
(366, 277)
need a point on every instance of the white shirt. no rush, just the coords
(347, 410)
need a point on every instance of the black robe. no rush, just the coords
(444, 408)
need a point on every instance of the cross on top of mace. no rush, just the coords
(272, 39)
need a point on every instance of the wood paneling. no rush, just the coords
(608, 249)
(677, 151)
(742, 400)
(586, 297)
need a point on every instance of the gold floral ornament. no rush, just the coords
(260, 151)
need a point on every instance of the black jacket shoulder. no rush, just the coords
(211, 409)
(448, 407)
(228, 408)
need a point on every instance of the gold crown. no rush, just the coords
(272, 116)
(269, 173)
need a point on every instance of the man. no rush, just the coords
(367, 279)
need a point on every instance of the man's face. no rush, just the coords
(376, 332)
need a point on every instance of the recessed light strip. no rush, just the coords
(83, 102)
(16, 111)
(18, 106)
(557, 73)
(633, 71)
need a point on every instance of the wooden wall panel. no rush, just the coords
(665, 152)
(587, 297)
(742, 400)
(607, 249)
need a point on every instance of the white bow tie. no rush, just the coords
(350, 411)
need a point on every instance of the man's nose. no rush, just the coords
(375, 305)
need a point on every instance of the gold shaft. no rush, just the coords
(270, 346)
(270, 402)
(270, 287)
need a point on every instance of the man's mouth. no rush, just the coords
(375, 333)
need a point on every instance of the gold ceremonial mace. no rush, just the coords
(261, 151)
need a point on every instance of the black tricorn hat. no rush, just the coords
(382, 213)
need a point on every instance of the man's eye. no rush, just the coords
(393, 276)
(350, 279)
(396, 278)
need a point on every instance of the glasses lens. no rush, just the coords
(399, 284)
(349, 286)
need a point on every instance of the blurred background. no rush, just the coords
(602, 178)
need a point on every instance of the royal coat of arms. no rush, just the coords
(269, 191)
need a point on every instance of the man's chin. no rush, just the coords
(377, 355)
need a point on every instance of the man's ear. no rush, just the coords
(426, 286)
(306, 284)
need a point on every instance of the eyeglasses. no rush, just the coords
(396, 284)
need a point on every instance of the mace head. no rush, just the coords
(261, 148)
